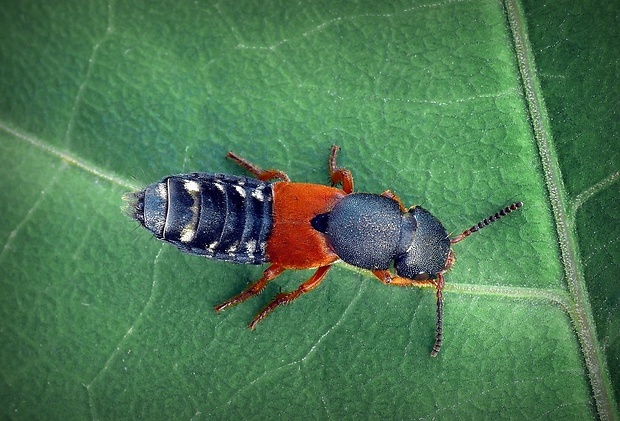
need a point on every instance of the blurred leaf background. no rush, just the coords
(460, 106)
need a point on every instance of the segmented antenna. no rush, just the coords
(439, 282)
(439, 326)
(486, 221)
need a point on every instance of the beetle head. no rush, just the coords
(424, 246)
(425, 252)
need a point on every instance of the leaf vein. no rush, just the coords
(68, 157)
(89, 69)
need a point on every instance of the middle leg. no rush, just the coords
(339, 175)
(263, 175)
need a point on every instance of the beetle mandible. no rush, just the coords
(300, 226)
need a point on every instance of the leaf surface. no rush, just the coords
(462, 107)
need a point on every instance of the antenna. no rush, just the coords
(486, 221)
(439, 282)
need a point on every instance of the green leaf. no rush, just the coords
(462, 107)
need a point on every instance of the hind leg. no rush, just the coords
(263, 175)
(287, 297)
(270, 273)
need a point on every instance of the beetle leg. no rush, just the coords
(391, 195)
(270, 273)
(263, 175)
(287, 297)
(339, 175)
(387, 278)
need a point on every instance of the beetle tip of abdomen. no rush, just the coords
(134, 205)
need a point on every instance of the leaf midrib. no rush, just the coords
(578, 308)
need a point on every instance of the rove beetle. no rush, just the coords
(293, 226)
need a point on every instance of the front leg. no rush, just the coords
(389, 194)
(386, 277)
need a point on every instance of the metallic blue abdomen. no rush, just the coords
(214, 215)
